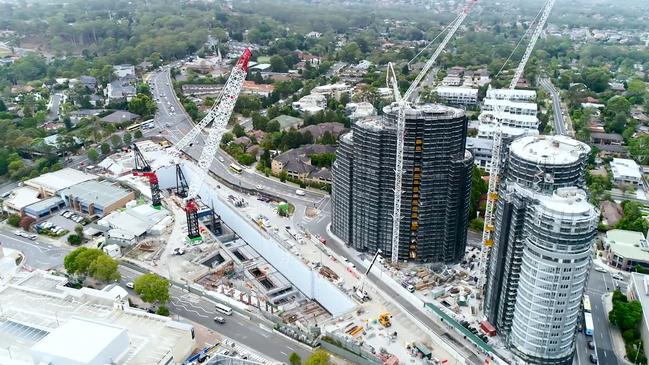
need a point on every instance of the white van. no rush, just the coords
(223, 309)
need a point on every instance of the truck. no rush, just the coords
(361, 295)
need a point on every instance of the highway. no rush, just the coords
(174, 123)
(559, 122)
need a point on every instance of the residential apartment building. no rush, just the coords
(626, 172)
(543, 221)
(436, 184)
(458, 96)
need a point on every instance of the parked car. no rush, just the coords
(618, 276)
(593, 358)
(17, 232)
(600, 269)
(591, 345)
(130, 285)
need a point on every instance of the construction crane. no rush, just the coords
(359, 291)
(142, 168)
(401, 103)
(496, 158)
(219, 117)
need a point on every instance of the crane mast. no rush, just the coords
(402, 102)
(496, 158)
(220, 116)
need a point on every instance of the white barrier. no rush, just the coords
(306, 280)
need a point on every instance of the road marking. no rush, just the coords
(283, 353)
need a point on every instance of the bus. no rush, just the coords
(223, 309)
(134, 127)
(586, 303)
(588, 319)
(236, 168)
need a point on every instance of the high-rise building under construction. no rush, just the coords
(436, 184)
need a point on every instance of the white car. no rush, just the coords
(259, 187)
(618, 276)
(299, 192)
(130, 285)
(17, 232)
(600, 269)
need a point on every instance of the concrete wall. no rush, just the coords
(301, 276)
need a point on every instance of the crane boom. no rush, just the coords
(221, 115)
(188, 138)
(496, 158)
(401, 126)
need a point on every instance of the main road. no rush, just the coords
(559, 122)
(173, 123)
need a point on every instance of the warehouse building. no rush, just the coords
(49, 184)
(436, 184)
(44, 208)
(96, 198)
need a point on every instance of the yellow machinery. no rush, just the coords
(384, 319)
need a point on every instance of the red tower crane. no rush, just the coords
(142, 168)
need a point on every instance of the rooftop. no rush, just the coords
(120, 116)
(100, 193)
(79, 341)
(22, 197)
(426, 110)
(549, 150)
(61, 179)
(135, 221)
(287, 121)
(37, 305)
(625, 167)
(628, 244)
(641, 284)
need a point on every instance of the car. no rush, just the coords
(66, 214)
(220, 320)
(17, 232)
(591, 345)
(593, 358)
(179, 251)
(130, 285)
(5, 195)
(221, 159)
(618, 276)
(33, 237)
(600, 269)
(259, 187)
(78, 219)
(299, 192)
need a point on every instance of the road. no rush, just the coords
(559, 122)
(599, 284)
(55, 105)
(250, 333)
(175, 123)
(38, 255)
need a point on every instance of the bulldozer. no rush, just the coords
(384, 319)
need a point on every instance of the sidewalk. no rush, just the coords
(617, 341)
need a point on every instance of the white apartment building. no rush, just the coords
(312, 103)
(333, 90)
(514, 95)
(626, 172)
(556, 258)
(456, 95)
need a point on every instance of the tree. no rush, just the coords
(116, 141)
(152, 288)
(318, 357)
(137, 134)
(104, 268)
(105, 148)
(640, 269)
(3, 107)
(78, 261)
(127, 138)
(227, 138)
(277, 64)
(93, 155)
(632, 220)
(639, 148)
(238, 130)
(78, 229)
(26, 222)
(162, 311)
(14, 220)
(596, 79)
(142, 105)
(617, 105)
(478, 188)
(295, 359)
(74, 239)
